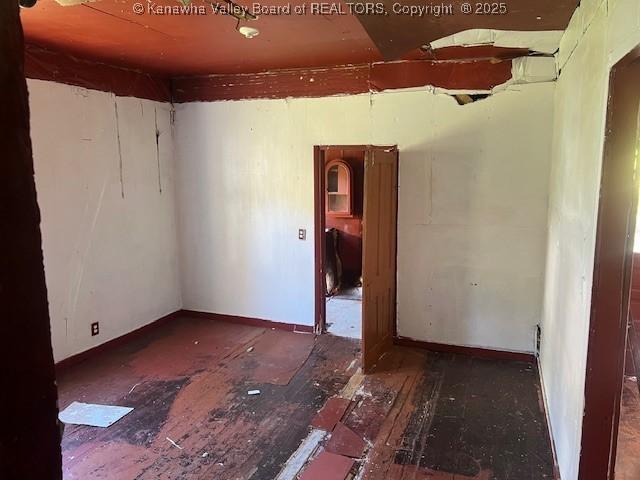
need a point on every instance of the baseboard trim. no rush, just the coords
(254, 322)
(64, 364)
(545, 407)
(470, 351)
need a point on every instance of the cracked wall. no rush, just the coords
(472, 206)
(599, 34)
(106, 193)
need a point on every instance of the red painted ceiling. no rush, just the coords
(180, 45)
(109, 31)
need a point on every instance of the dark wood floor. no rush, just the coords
(628, 448)
(422, 415)
(458, 417)
(628, 458)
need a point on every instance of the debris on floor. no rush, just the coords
(301, 456)
(253, 392)
(174, 444)
(397, 422)
(93, 415)
(133, 388)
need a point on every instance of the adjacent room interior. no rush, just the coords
(320, 240)
(343, 209)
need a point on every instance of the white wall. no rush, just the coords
(107, 259)
(600, 33)
(472, 207)
(636, 240)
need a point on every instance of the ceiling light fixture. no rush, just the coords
(247, 32)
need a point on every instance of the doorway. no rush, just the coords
(343, 215)
(356, 197)
(612, 277)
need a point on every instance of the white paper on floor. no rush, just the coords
(79, 413)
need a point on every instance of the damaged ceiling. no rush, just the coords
(395, 35)
(111, 32)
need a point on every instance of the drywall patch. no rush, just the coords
(533, 70)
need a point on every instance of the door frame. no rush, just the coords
(320, 326)
(611, 279)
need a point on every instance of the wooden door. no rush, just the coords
(379, 253)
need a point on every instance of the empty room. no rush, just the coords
(320, 240)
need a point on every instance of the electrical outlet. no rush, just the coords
(302, 234)
(538, 339)
(95, 329)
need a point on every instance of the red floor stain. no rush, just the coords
(276, 356)
(345, 441)
(331, 413)
(327, 466)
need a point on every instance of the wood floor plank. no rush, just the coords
(198, 398)
(423, 415)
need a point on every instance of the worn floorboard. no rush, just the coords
(628, 458)
(421, 415)
(459, 417)
(188, 382)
